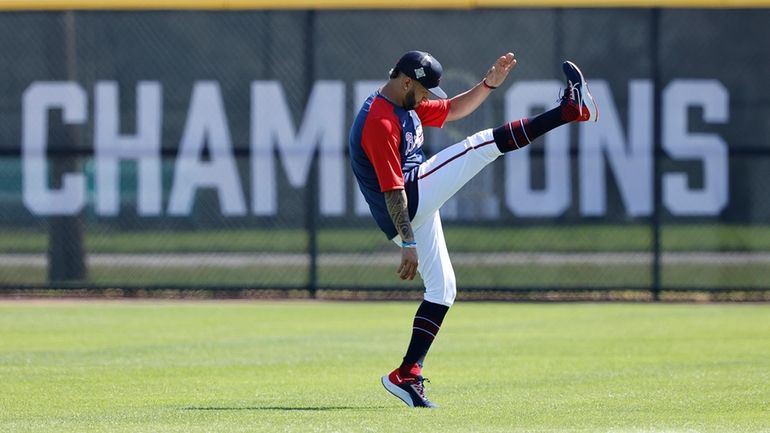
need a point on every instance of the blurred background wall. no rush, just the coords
(207, 149)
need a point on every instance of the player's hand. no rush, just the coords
(499, 71)
(408, 268)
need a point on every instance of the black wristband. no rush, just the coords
(484, 83)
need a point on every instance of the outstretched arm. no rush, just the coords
(399, 213)
(467, 102)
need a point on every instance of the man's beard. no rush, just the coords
(410, 102)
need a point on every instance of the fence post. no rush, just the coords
(312, 186)
(66, 255)
(657, 154)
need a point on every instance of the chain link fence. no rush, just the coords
(206, 152)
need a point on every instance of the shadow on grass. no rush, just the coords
(286, 408)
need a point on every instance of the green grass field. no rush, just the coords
(141, 366)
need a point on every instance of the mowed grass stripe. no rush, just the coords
(314, 367)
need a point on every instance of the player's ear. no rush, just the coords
(406, 82)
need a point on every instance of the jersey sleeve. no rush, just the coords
(380, 140)
(433, 112)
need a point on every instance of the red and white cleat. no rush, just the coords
(409, 389)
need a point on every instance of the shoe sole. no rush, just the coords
(396, 391)
(585, 91)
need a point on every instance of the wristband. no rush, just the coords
(484, 83)
(408, 244)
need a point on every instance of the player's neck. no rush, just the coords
(391, 92)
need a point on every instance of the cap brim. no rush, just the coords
(436, 91)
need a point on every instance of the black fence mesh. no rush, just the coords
(208, 150)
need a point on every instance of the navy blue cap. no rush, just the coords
(421, 66)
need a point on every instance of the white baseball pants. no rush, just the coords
(439, 178)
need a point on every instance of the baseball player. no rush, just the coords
(404, 189)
